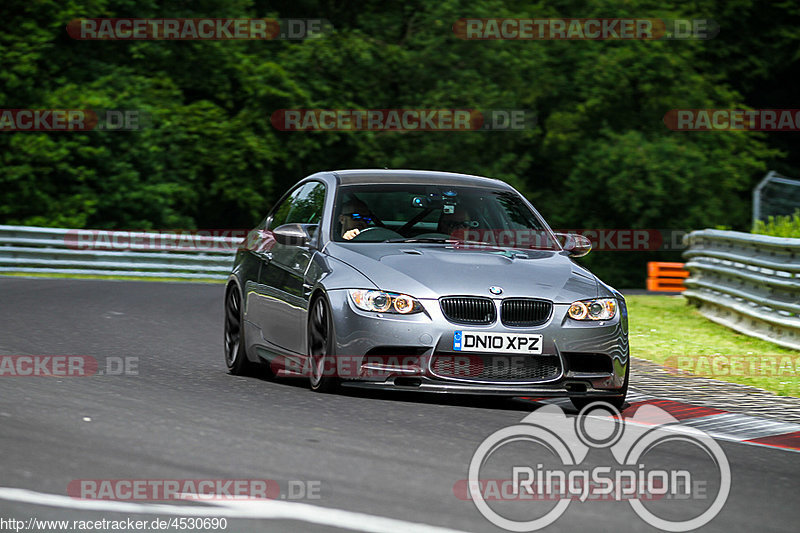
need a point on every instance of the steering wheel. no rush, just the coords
(377, 234)
(435, 235)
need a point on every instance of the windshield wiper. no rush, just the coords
(423, 239)
(442, 240)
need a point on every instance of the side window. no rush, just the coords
(303, 206)
(282, 212)
(307, 204)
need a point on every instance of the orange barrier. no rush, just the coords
(666, 277)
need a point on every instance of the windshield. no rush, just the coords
(429, 213)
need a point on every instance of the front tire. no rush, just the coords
(320, 347)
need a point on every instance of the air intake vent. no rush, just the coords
(483, 367)
(525, 312)
(468, 310)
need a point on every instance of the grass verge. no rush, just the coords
(666, 330)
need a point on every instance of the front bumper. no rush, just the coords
(425, 384)
(421, 337)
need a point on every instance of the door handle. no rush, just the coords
(307, 287)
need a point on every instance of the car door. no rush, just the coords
(260, 242)
(282, 275)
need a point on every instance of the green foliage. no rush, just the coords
(780, 226)
(600, 155)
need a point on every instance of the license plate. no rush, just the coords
(487, 342)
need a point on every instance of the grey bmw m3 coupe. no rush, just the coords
(423, 281)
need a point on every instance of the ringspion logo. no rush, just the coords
(501, 468)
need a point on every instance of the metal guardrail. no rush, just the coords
(28, 249)
(750, 283)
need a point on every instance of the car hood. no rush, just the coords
(433, 270)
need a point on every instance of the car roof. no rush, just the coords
(430, 177)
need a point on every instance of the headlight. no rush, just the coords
(384, 302)
(598, 309)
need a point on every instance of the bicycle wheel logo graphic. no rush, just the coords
(569, 440)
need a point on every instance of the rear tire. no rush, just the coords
(320, 347)
(617, 402)
(234, 342)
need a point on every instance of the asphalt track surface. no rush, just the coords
(182, 416)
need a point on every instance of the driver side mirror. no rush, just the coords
(291, 235)
(575, 245)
